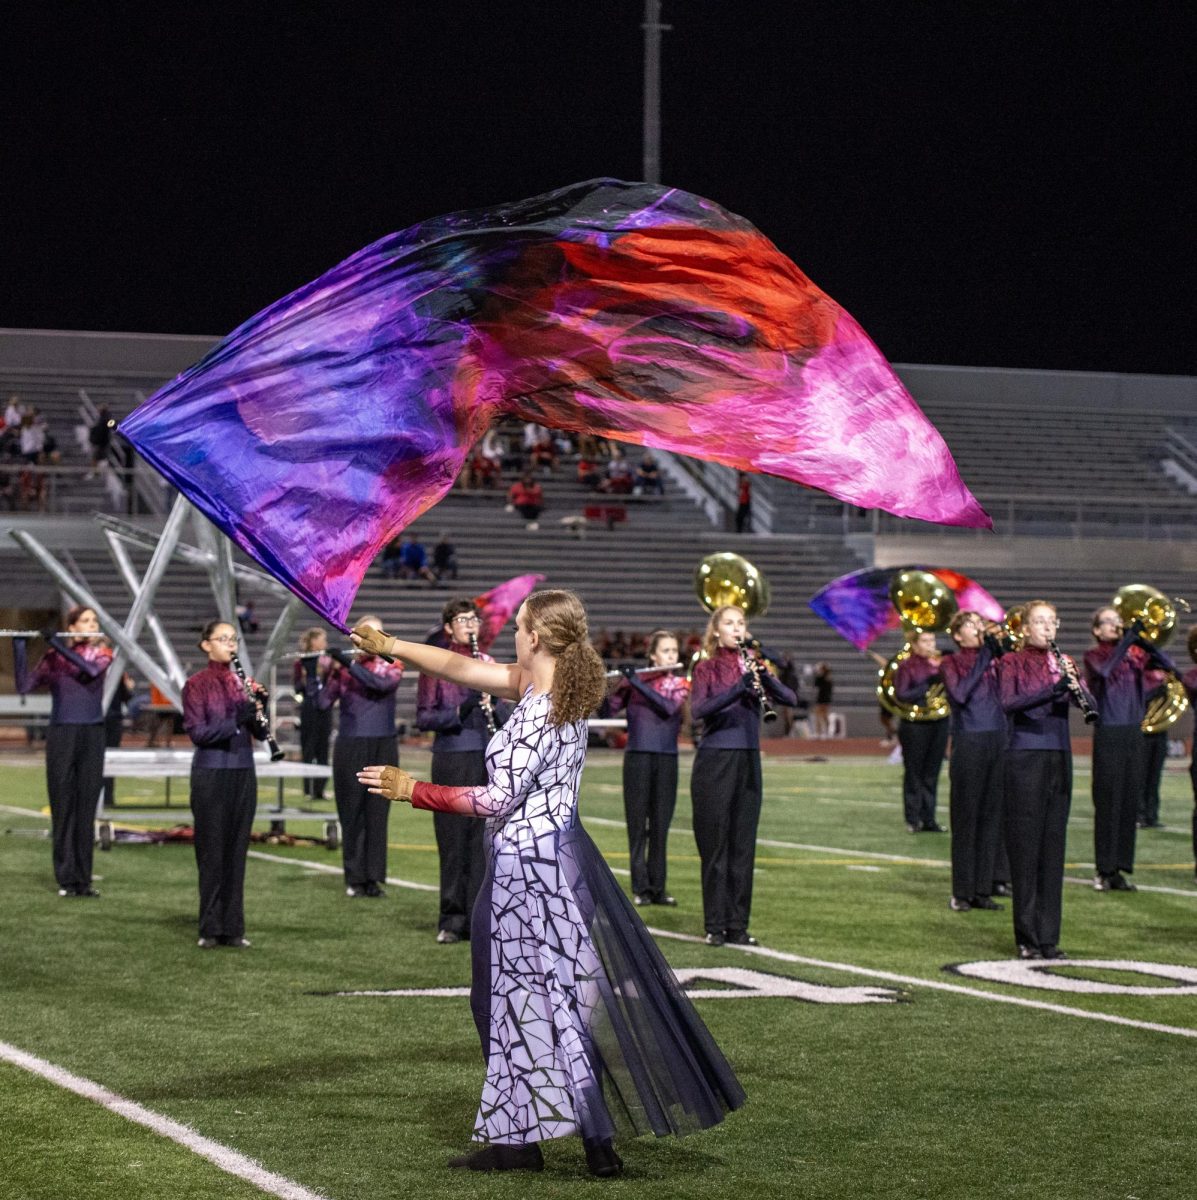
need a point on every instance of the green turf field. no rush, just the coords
(929, 1094)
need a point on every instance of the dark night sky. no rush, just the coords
(987, 182)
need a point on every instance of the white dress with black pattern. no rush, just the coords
(582, 1022)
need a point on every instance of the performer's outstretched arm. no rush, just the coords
(498, 679)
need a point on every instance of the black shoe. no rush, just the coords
(239, 943)
(207, 943)
(1101, 883)
(1002, 889)
(91, 891)
(958, 905)
(741, 937)
(1053, 952)
(933, 827)
(714, 939)
(501, 1158)
(984, 902)
(374, 891)
(912, 828)
(355, 892)
(1120, 883)
(602, 1159)
(1029, 952)
(446, 937)
(666, 900)
(642, 900)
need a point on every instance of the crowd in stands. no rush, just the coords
(530, 452)
(27, 447)
(406, 558)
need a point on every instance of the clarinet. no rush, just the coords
(753, 668)
(1074, 687)
(486, 703)
(261, 720)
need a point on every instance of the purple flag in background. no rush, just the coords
(324, 425)
(857, 606)
(495, 609)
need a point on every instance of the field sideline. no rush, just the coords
(874, 1067)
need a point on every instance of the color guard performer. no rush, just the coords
(978, 752)
(72, 670)
(222, 719)
(365, 688)
(1037, 685)
(459, 718)
(1114, 672)
(924, 743)
(729, 697)
(654, 704)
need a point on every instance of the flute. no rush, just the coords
(261, 720)
(36, 633)
(649, 670)
(1079, 698)
(486, 703)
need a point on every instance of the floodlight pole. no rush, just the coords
(652, 90)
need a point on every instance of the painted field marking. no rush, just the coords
(329, 869)
(233, 1162)
(937, 985)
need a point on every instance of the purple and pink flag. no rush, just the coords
(857, 605)
(495, 609)
(322, 426)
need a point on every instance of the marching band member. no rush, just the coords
(221, 719)
(1114, 672)
(725, 784)
(976, 767)
(924, 743)
(315, 723)
(457, 715)
(73, 670)
(1155, 755)
(1036, 687)
(365, 689)
(654, 705)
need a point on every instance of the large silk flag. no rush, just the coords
(322, 426)
(857, 605)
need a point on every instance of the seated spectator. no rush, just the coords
(413, 560)
(392, 558)
(247, 618)
(544, 455)
(444, 558)
(648, 478)
(526, 496)
(33, 436)
(13, 412)
(619, 476)
(590, 474)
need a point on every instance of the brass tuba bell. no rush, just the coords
(726, 578)
(926, 605)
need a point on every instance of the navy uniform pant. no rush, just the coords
(976, 771)
(315, 732)
(222, 808)
(74, 780)
(923, 746)
(459, 841)
(363, 817)
(649, 798)
(1118, 770)
(1155, 754)
(725, 789)
(1037, 801)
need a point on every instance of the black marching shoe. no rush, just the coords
(1029, 952)
(984, 902)
(666, 900)
(1002, 889)
(714, 939)
(958, 905)
(1054, 952)
(207, 943)
(601, 1158)
(374, 891)
(933, 827)
(642, 900)
(740, 937)
(501, 1158)
(1120, 883)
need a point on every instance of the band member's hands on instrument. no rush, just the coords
(390, 783)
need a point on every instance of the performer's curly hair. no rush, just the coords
(579, 682)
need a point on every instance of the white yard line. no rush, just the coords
(231, 1161)
(938, 985)
(329, 869)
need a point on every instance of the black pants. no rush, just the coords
(1193, 784)
(363, 817)
(1118, 766)
(74, 780)
(977, 776)
(315, 730)
(1155, 754)
(725, 789)
(923, 746)
(649, 798)
(1038, 797)
(459, 841)
(114, 729)
(222, 809)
